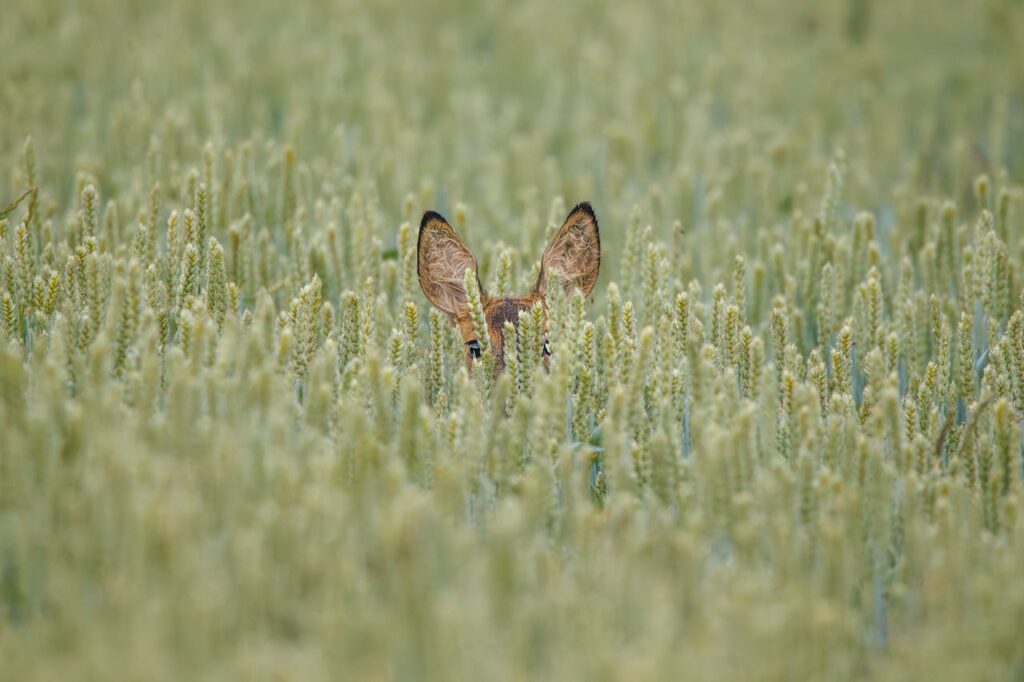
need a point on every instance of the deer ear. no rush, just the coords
(441, 262)
(574, 254)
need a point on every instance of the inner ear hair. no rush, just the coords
(574, 254)
(441, 262)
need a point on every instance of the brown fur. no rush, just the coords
(498, 311)
(441, 262)
(574, 256)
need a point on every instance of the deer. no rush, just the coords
(442, 258)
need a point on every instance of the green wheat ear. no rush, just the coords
(476, 310)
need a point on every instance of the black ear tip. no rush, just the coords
(585, 207)
(429, 216)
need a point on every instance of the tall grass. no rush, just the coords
(783, 442)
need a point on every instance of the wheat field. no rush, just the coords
(780, 441)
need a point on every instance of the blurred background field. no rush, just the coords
(782, 442)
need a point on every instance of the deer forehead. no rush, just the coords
(501, 310)
(497, 312)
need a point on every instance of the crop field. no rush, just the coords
(779, 439)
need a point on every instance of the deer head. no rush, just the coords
(574, 256)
